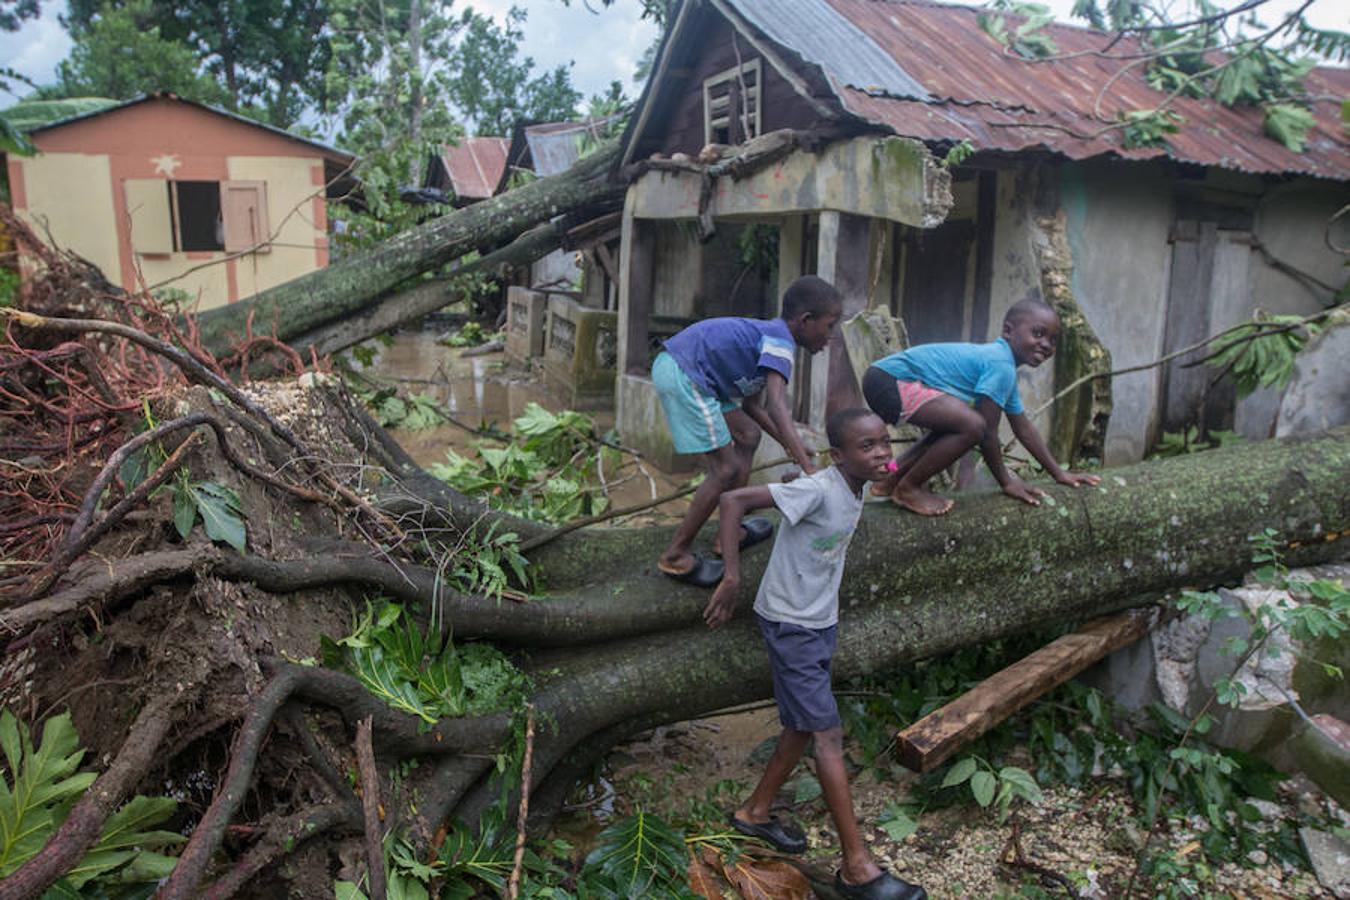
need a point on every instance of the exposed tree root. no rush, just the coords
(280, 839)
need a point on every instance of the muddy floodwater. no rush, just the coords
(488, 391)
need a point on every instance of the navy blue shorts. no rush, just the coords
(800, 659)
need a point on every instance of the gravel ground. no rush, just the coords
(1084, 835)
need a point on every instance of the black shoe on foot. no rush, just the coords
(884, 887)
(775, 833)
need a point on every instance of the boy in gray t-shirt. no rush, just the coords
(797, 608)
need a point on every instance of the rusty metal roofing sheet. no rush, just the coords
(823, 36)
(475, 165)
(1001, 102)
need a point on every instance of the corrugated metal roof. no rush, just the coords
(1000, 102)
(475, 165)
(823, 36)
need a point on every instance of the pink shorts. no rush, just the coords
(914, 394)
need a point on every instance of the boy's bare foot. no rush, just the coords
(918, 500)
(885, 487)
(677, 565)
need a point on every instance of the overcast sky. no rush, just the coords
(601, 46)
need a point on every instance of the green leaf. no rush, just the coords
(134, 469)
(897, 823)
(807, 789)
(184, 509)
(982, 785)
(1289, 124)
(482, 857)
(222, 513)
(125, 828)
(1022, 783)
(45, 786)
(640, 855)
(960, 772)
(63, 890)
(346, 890)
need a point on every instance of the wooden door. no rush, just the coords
(1209, 291)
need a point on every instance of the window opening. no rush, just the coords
(731, 107)
(197, 216)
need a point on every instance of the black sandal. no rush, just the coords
(757, 531)
(884, 887)
(776, 833)
(703, 573)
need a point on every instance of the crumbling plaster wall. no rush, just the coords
(1291, 222)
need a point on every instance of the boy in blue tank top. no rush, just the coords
(722, 382)
(957, 392)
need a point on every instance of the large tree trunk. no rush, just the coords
(359, 280)
(425, 297)
(616, 647)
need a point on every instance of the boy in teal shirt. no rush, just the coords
(958, 392)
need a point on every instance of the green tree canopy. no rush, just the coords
(492, 85)
(121, 54)
(268, 55)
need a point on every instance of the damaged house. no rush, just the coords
(815, 127)
(165, 192)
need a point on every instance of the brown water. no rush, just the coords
(487, 390)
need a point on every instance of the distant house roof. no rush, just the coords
(474, 166)
(929, 71)
(92, 107)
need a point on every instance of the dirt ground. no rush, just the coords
(707, 765)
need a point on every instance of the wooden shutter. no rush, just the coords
(148, 210)
(243, 206)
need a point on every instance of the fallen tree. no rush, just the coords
(182, 660)
(361, 279)
(617, 648)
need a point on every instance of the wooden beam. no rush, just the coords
(932, 740)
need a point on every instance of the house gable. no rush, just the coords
(173, 125)
(704, 46)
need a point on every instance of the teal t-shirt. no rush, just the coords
(965, 371)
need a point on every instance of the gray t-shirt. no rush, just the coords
(801, 583)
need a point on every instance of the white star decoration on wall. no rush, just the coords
(166, 164)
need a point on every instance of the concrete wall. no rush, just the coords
(560, 264)
(1119, 221)
(885, 178)
(1291, 222)
(75, 189)
(69, 196)
(1119, 217)
(678, 262)
(301, 241)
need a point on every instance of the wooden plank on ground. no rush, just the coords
(932, 740)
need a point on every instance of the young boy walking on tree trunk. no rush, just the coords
(797, 609)
(957, 392)
(722, 382)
